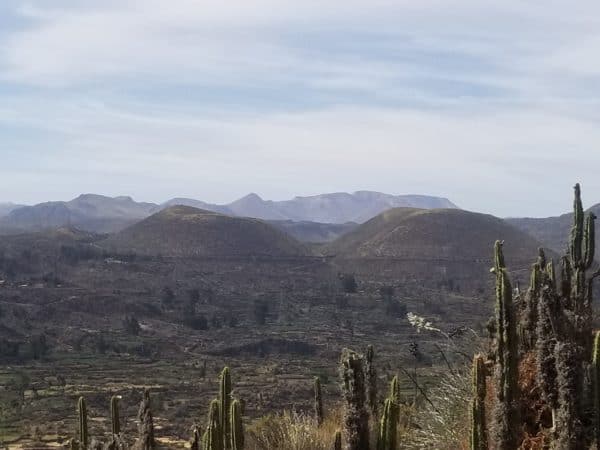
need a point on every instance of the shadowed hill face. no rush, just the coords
(187, 231)
(553, 232)
(434, 234)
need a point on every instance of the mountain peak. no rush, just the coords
(251, 197)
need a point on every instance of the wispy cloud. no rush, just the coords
(485, 103)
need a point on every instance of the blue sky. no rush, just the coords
(494, 105)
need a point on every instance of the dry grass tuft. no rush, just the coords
(293, 431)
(446, 423)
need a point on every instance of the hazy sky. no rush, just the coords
(494, 105)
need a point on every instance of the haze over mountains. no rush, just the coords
(316, 219)
(106, 215)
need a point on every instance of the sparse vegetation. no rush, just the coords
(533, 384)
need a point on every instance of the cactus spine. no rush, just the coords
(83, 426)
(478, 425)
(318, 402)
(237, 427)
(356, 417)
(114, 415)
(506, 409)
(371, 376)
(225, 407)
(213, 438)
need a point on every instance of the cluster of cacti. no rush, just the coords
(225, 430)
(553, 326)
(116, 441)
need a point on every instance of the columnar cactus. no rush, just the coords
(196, 442)
(145, 425)
(237, 427)
(596, 386)
(371, 377)
(337, 441)
(478, 422)
(506, 412)
(83, 425)
(356, 417)
(318, 402)
(530, 309)
(548, 306)
(225, 406)
(395, 390)
(388, 427)
(577, 230)
(213, 438)
(114, 414)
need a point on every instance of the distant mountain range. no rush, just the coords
(102, 214)
(88, 212)
(325, 208)
(316, 219)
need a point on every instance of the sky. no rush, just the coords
(494, 105)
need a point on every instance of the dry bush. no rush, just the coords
(445, 424)
(293, 431)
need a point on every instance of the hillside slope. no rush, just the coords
(441, 233)
(187, 231)
(553, 232)
(438, 247)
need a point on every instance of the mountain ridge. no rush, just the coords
(102, 214)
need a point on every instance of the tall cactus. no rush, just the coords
(225, 406)
(589, 237)
(548, 309)
(356, 417)
(213, 438)
(145, 424)
(395, 389)
(371, 378)
(596, 387)
(114, 415)
(337, 440)
(577, 230)
(506, 412)
(318, 402)
(530, 309)
(388, 427)
(196, 442)
(237, 427)
(83, 424)
(478, 422)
